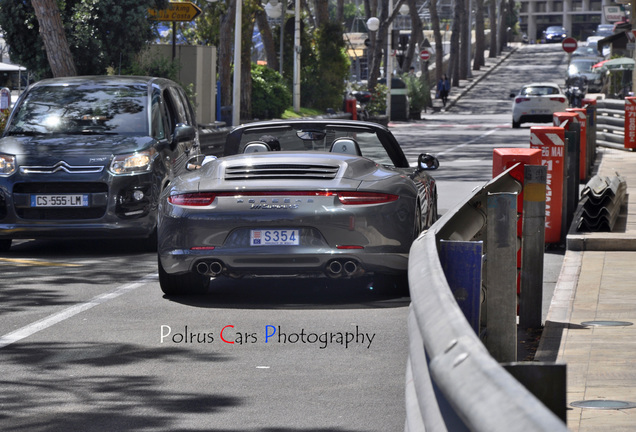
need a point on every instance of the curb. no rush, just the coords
(480, 77)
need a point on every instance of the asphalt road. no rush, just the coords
(88, 342)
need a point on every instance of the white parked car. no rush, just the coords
(537, 102)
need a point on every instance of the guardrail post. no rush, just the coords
(501, 273)
(630, 122)
(551, 141)
(571, 170)
(590, 154)
(569, 121)
(532, 246)
(581, 114)
(504, 159)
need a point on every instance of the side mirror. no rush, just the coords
(426, 161)
(183, 132)
(513, 93)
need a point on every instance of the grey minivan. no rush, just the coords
(87, 157)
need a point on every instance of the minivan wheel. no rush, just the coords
(182, 284)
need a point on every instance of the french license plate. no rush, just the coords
(274, 237)
(61, 200)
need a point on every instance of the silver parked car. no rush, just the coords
(316, 198)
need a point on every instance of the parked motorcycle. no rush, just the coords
(576, 90)
(363, 97)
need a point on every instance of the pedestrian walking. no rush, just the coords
(443, 88)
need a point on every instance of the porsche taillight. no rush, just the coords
(352, 198)
(558, 99)
(199, 199)
(521, 99)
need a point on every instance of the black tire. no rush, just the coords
(5, 245)
(417, 225)
(516, 125)
(182, 284)
(433, 214)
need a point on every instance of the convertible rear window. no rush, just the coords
(288, 138)
(75, 109)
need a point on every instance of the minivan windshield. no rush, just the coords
(82, 109)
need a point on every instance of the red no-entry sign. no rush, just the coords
(425, 54)
(569, 44)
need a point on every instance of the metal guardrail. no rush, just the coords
(452, 382)
(610, 123)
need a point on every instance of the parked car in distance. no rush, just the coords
(583, 67)
(555, 34)
(587, 51)
(537, 102)
(604, 30)
(87, 157)
(304, 198)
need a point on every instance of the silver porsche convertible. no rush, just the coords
(314, 198)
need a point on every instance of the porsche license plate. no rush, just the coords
(61, 200)
(274, 237)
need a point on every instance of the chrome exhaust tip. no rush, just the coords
(350, 267)
(202, 268)
(215, 268)
(334, 268)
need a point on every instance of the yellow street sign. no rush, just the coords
(177, 11)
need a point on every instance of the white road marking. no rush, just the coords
(71, 311)
(452, 149)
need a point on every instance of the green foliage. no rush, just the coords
(324, 79)
(377, 104)
(4, 114)
(418, 91)
(156, 66)
(270, 95)
(100, 33)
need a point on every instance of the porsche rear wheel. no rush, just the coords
(183, 284)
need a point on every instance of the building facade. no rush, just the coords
(579, 17)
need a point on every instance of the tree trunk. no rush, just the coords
(52, 31)
(321, 11)
(378, 45)
(503, 24)
(453, 67)
(480, 41)
(340, 11)
(492, 17)
(465, 36)
(226, 42)
(439, 46)
(417, 36)
(268, 39)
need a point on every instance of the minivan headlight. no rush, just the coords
(7, 165)
(134, 163)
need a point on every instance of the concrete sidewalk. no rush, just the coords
(589, 324)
